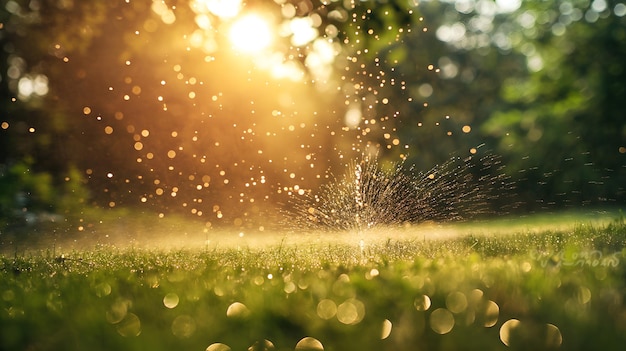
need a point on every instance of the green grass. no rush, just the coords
(535, 287)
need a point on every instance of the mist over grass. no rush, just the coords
(558, 287)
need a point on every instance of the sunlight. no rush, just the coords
(220, 8)
(250, 34)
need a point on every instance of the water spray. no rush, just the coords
(368, 195)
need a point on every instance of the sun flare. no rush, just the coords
(220, 8)
(250, 34)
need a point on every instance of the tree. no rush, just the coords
(160, 107)
(564, 112)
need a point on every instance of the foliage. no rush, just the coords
(144, 109)
(28, 196)
(564, 287)
(564, 108)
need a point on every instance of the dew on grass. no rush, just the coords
(309, 344)
(441, 321)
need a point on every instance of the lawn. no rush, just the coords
(521, 284)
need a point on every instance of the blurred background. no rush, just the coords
(221, 110)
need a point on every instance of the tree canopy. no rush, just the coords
(221, 109)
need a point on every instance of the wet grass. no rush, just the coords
(542, 289)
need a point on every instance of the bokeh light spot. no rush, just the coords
(422, 303)
(309, 344)
(237, 310)
(250, 34)
(118, 311)
(554, 338)
(491, 312)
(222, 8)
(103, 289)
(456, 302)
(507, 329)
(441, 321)
(183, 326)
(386, 330)
(583, 295)
(326, 309)
(171, 300)
(351, 312)
(218, 347)
(129, 326)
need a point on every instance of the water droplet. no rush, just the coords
(309, 344)
(170, 300)
(441, 321)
